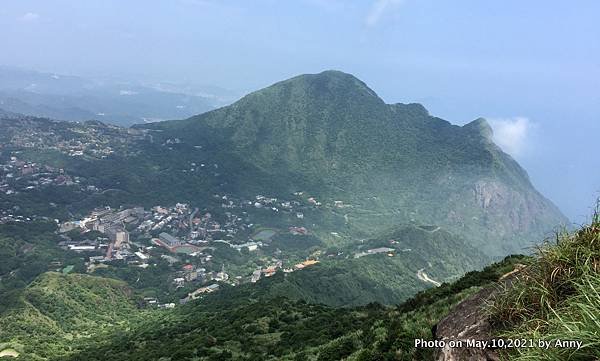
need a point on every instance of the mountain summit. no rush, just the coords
(330, 135)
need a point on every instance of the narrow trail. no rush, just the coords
(425, 278)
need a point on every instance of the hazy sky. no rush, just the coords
(532, 67)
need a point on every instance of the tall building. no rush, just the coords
(122, 236)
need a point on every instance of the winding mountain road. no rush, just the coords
(425, 278)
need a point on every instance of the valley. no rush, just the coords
(311, 194)
(313, 180)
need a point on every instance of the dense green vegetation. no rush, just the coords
(51, 316)
(383, 278)
(91, 318)
(252, 323)
(27, 250)
(557, 297)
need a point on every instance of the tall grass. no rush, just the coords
(556, 297)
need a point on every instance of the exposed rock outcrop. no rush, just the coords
(470, 321)
(467, 321)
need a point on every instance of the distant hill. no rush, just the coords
(9, 115)
(329, 134)
(78, 99)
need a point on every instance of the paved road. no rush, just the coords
(425, 278)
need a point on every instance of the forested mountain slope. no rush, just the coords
(331, 135)
(82, 317)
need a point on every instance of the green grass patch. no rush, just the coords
(557, 297)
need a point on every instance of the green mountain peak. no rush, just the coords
(323, 90)
(330, 135)
(332, 81)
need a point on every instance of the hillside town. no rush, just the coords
(139, 237)
(89, 139)
(199, 243)
(17, 175)
(182, 234)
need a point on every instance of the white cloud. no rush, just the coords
(512, 134)
(379, 8)
(29, 17)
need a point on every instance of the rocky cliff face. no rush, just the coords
(496, 199)
(506, 211)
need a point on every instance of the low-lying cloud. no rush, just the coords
(511, 134)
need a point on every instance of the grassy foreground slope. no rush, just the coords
(556, 298)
